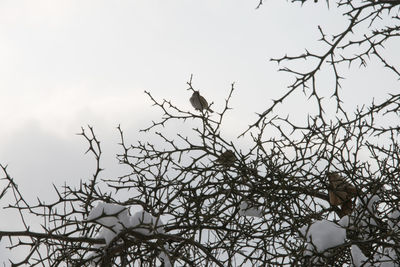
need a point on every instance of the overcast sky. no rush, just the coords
(66, 64)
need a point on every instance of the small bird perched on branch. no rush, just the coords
(227, 158)
(341, 193)
(199, 102)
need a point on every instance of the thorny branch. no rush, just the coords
(364, 32)
(283, 177)
(202, 200)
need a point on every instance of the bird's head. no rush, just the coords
(332, 176)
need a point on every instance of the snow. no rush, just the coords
(246, 209)
(390, 255)
(366, 214)
(344, 222)
(389, 259)
(371, 201)
(359, 258)
(363, 219)
(394, 219)
(323, 235)
(164, 257)
(103, 208)
(151, 224)
(115, 218)
(320, 235)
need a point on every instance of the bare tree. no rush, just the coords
(206, 202)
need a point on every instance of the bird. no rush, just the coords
(199, 102)
(227, 158)
(341, 193)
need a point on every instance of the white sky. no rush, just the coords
(68, 63)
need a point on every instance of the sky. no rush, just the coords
(67, 64)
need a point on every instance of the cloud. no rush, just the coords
(37, 158)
